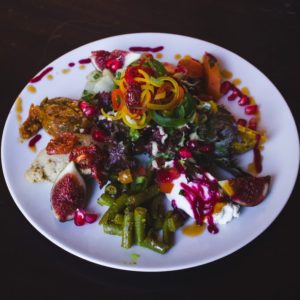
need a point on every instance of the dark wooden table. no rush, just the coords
(33, 33)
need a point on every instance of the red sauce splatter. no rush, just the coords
(149, 49)
(84, 61)
(41, 75)
(34, 140)
(71, 64)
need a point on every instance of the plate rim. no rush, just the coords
(136, 267)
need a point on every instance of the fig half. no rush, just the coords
(247, 191)
(68, 193)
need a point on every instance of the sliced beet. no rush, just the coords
(249, 191)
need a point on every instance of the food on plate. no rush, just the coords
(247, 191)
(55, 115)
(152, 131)
(54, 158)
(68, 193)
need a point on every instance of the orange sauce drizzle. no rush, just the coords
(193, 229)
(31, 89)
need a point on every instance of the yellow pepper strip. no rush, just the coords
(133, 124)
(126, 111)
(117, 116)
(160, 96)
(146, 76)
(122, 85)
(148, 87)
(174, 83)
(167, 106)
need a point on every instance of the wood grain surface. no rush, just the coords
(33, 33)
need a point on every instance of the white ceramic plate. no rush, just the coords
(281, 160)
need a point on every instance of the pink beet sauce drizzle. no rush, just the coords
(34, 140)
(41, 75)
(84, 61)
(149, 49)
(202, 196)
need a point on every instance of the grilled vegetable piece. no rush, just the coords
(212, 75)
(55, 115)
(247, 191)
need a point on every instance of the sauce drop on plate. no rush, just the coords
(146, 49)
(31, 89)
(85, 61)
(193, 229)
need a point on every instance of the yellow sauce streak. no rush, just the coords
(193, 230)
(187, 57)
(82, 67)
(33, 149)
(236, 81)
(159, 55)
(31, 89)
(50, 77)
(226, 74)
(177, 56)
(245, 91)
(252, 101)
(65, 71)
(19, 109)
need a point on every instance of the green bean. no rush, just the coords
(175, 220)
(105, 200)
(168, 235)
(117, 206)
(140, 220)
(113, 229)
(111, 189)
(157, 211)
(140, 198)
(119, 219)
(128, 229)
(155, 245)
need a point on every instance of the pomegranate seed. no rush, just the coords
(242, 122)
(90, 218)
(251, 109)
(88, 109)
(185, 153)
(233, 95)
(253, 123)
(34, 140)
(244, 100)
(113, 64)
(79, 217)
(225, 87)
(206, 148)
(98, 135)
